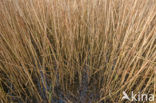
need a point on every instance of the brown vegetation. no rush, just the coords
(76, 51)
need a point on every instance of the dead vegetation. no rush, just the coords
(76, 51)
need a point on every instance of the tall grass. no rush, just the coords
(76, 51)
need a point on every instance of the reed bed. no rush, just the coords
(76, 51)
